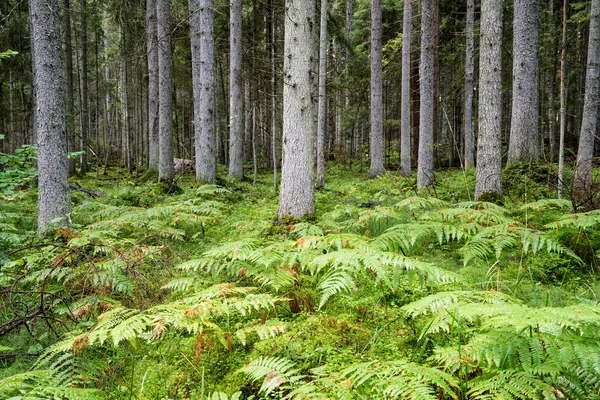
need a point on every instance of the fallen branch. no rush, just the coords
(91, 192)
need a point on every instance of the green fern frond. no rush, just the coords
(413, 204)
(269, 329)
(275, 373)
(548, 204)
(584, 221)
(444, 300)
(223, 396)
(508, 385)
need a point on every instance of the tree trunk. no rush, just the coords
(54, 200)
(322, 116)
(152, 52)
(524, 141)
(426, 117)
(274, 124)
(166, 169)
(84, 117)
(376, 137)
(489, 156)
(405, 100)
(563, 101)
(236, 121)
(582, 182)
(69, 95)
(297, 194)
(469, 69)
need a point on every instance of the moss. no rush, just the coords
(149, 176)
(491, 197)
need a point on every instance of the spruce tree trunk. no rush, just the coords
(582, 183)
(405, 99)
(489, 156)
(69, 94)
(524, 141)
(85, 117)
(348, 27)
(426, 117)
(166, 169)
(469, 69)
(376, 136)
(322, 112)
(236, 121)
(563, 101)
(54, 199)
(204, 112)
(152, 52)
(297, 194)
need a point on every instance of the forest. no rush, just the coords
(292, 199)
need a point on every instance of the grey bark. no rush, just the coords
(582, 183)
(489, 157)
(54, 200)
(297, 194)
(201, 25)
(166, 169)
(469, 70)
(563, 101)
(405, 97)
(69, 94)
(236, 144)
(426, 116)
(84, 117)
(376, 136)
(348, 27)
(524, 141)
(152, 49)
(322, 112)
(274, 108)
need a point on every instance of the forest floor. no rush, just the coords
(385, 292)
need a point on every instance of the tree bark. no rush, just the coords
(166, 169)
(524, 142)
(236, 121)
(469, 70)
(84, 117)
(297, 194)
(376, 136)
(563, 101)
(69, 95)
(582, 182)
(426, 117)
(152, 53)
(322, 112)
(405, 99)
(489, 157)
(54, 199)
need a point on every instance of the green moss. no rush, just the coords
(491, 197)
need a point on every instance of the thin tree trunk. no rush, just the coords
(274, 124)
(236, 122)
(84, 117)
(469, 70)
(489, 157)
(426, 117)
(69, 95)
(152, 54)
(322, 116)
(376, 136)
(563, 101)
(405, 149)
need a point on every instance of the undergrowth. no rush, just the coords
(387, 292)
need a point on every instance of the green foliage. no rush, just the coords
(42, 384)
(17, 170)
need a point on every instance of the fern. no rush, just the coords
(275, 373)
(42, 384)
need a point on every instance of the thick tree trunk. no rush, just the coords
(152, 51)
(166, 169)
(489, 156)
(84, 117)
(236, 121)
(524, 141)
(297, 194)
(582, 183)
(376, 136)
(322, 112)
(405, 150)
(426, 117)
(469, 69)
(54, 200)
(206, 169)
